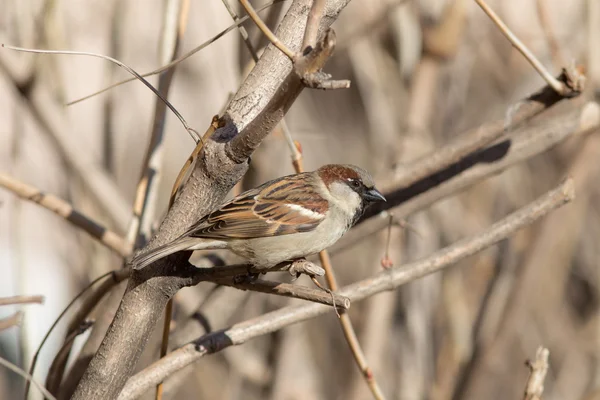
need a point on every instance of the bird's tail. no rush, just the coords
(148, 258)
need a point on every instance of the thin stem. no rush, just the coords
(178, 60)
(191, 131)
(349, 332)
(558, 86)
(37, 299)
(266, 31)
(27, 377)
(60, 207)
(312, 24)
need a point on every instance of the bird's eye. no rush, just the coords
(354, 183)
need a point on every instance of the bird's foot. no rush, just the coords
(248, 277)
(303, 266)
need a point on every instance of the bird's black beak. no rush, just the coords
(373, 195)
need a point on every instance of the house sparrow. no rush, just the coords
(282, 220)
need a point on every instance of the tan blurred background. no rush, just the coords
(422, 71)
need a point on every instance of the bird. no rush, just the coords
(282, 220)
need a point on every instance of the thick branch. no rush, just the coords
(386, 280)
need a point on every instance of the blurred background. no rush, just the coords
(422, 72)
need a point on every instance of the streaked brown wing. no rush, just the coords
(266, 211)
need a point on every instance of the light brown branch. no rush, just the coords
(292, 291)
(385, 280)
(538, 370)
(266, 31)
(542, 11)
(350, 334)
(178, 60)
(191, 131)
(312, 24)
(6, 301)
(560, 87)
(13, 320)
(65, 210)
(49, 116)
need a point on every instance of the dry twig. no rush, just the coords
(13, 320)
(65, 210)
(568, 89)
(6, 301)
(538, 370)
(178, 60)
(27, 377)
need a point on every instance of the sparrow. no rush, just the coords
(282, 220)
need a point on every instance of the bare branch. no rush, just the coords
(293, 291)
(312, 25)
(560, 87)
(350, 334)
(49, 116)
(6, 301)
(388, 279)
(13, 320)
(178, 60)
(538, 370)
(65, 210)
(27, 377)
(191, 131)
(266, 31)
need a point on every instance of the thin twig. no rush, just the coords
(55, 373)
(385, 280)
(312, 24)
(78, 320)
(48, 115)
(242, 30)
(266, 31)
(27, 377)
(180, 59)
(542, 12)
(538, 370)
(349, 332)
(191, 131)
(13, 320)
(558, 86)
(6, 301)
(65, 210)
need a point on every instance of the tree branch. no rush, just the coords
(61, 208)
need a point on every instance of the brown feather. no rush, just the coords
(268, 210)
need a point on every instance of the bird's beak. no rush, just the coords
(373, 195)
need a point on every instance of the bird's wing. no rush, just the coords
(269, 210)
